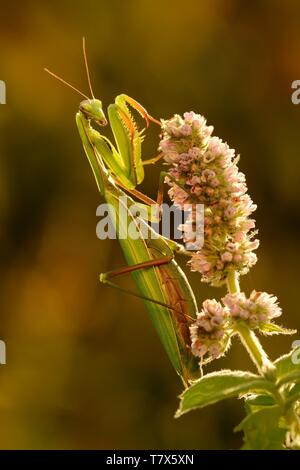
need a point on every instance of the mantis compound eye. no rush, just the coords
(92, 109)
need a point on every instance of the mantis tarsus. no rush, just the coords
(159, 279)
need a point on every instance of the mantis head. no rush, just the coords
(92, 109)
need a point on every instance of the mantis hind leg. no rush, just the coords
(105, 278)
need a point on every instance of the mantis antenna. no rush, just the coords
(87, 67)
(66, 83)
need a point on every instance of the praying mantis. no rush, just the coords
(160, 281)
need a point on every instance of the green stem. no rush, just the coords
(255, 349)
(233, 283)
(248, 337)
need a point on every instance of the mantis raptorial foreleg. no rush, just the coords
(123, 158)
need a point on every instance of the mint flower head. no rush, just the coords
(203, 170)
(218, 322)
(210, 336)
(257, 310)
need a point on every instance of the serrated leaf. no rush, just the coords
(262, 430)
(273, 329)
(221, 385)
(288, 364)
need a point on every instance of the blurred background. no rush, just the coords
(84, 366)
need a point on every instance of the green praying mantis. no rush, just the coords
(160, 281)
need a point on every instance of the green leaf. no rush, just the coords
(220, 385)
(288, 364)
(293, 377)
(254, 402)
(295, 391)
(273, 329)
(262, 430)
(294, 394)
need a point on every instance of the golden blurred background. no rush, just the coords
(84, 366)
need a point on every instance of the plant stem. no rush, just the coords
(254, 348)
(233, 283)
(248, 337)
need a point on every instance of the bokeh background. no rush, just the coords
(84, 366)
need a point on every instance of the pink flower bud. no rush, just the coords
(215, 182)
(210, 192)
(197, 190)
(244, 314)
(235, 311)
(185, 130)
(208, 174)
(195, 152)
(232, 246)
(239, 236)
(219, 265)
(215, 350)
(226, 257)
(189, 116)
(230, 212)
